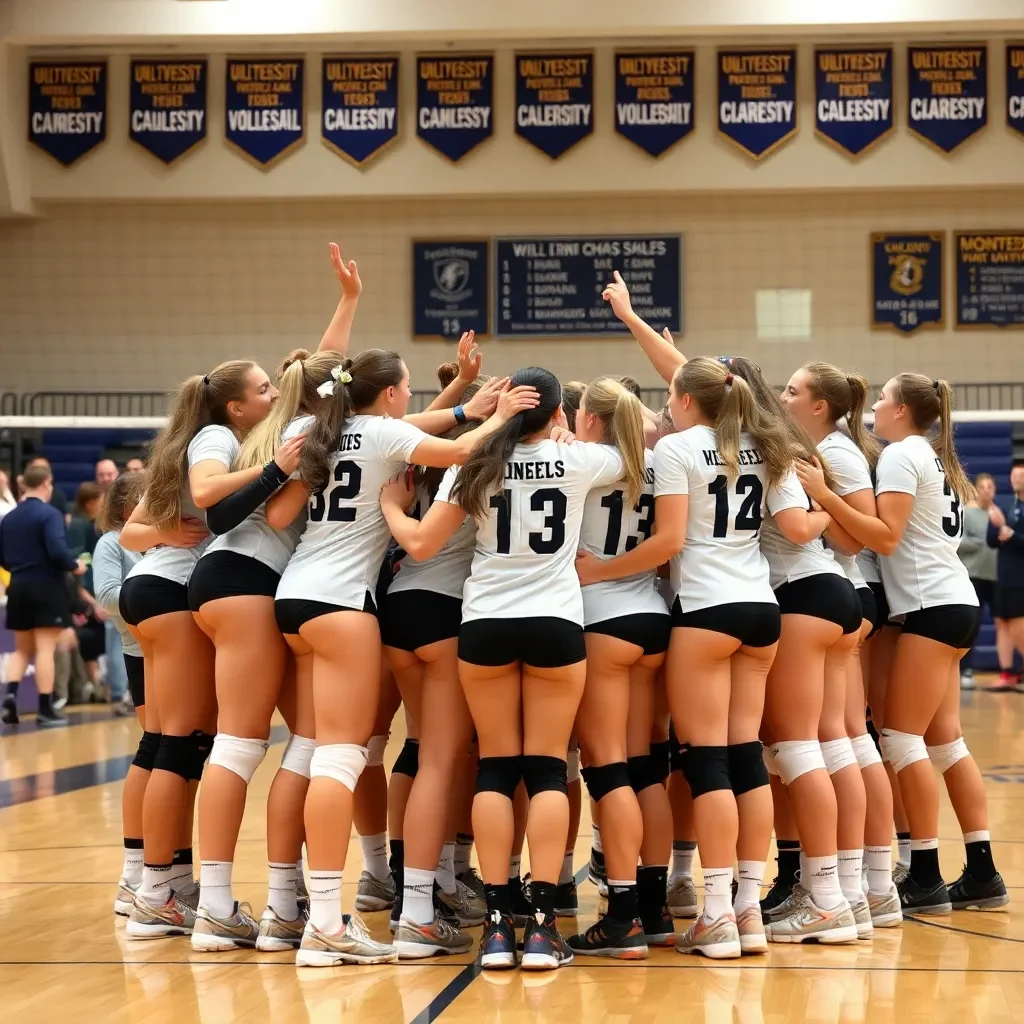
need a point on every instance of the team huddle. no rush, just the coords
(733, 616)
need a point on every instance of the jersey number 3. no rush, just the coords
(952, 525)
(549, 500)
(749, 515)
(347, 479)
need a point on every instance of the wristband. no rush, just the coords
(460, 415)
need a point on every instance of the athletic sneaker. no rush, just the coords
(351, 945)
(544, 949)
(916, 899)
(862, 915)
(9, 716)
(597, 873)
(213, 935)
(522, 907)
(373, 894)
(967, 893)
(718, 940)
(567, 902)
(473, 881)
(58, 703)
(278, 935)
(467, 907)
(776, 896)
(797, 896)
(807, 922)
(498, 943)
(50, 721)
(886, 911)
(658, 928)
(125, 898)
(967, 679)
(899, 873)
(682, 898)
(419, 941)
(621, 940)
(175, 917)
(753, 938)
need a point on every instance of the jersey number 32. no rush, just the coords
(347, 479)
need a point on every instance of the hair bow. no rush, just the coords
(337, 374)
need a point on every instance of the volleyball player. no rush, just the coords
(920, 488)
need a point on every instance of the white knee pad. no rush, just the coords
(298, 753)
(238, 754)
(838, 754)
(376, 750)
(769, 760)
(945, 755)
(343, 762)
(865, 751)
(901, 749)
(797, 757)
(572, 766)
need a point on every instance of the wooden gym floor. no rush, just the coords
(63, 957)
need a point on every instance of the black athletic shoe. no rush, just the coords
(658, 928)
(622, 940)
(498, 943)
(522, 908)
(566, 902)
(598, 875)
(918, 899)
(441, 909)
(10, 712)
(543, 948)
(967, 893)
(50, 721)
(775, 897)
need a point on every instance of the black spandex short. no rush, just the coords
(92, 639)
(882, 604)
(644, 629)
(410, 619)
(1009, 602)
(229, 574)
(868, 606)
(38, 604)
(146, 597)
(541, 641)
(949, 624)
(133, 666)
(826, 595)
(753, 623)
(291, 613)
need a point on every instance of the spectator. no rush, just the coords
(7, 499)
(980, 561)
(135, 466)
(82, 530)
(106, 473)
(89, 616)
(33, 549)
(1006, 535)
(59, 499)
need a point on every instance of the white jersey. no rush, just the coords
(868, 567)
(721, 562)
(609, 529)
(524, 564)
(924, 570)
(338, 558)
(851, 472)
(447, 571)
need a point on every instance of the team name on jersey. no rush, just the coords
(534, 470)
(747, 457)
(350, 442)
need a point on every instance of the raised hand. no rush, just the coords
(514, 400)
(347, 274)
(485, 401)
(470, 358)
(617, 294)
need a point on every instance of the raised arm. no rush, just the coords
(439, 419)
(339, 330)
(470, 360)
(659, 348)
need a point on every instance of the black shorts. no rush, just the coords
(292, 613)
(134, 668)
(541, 641)
(882, 603)
(1009, 602)
(646, 629)
(826, 595)
(146, 597)
(38, 604)
(410, 619)
(868, 606)
(229, 574)
(949, 624)
(92, 639)
(753, 623)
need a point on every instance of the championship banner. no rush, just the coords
(67, 107)
(168, 106)
(554, 99)
(989, 278)
(360, 105)
(906, 276)
(455, 103)
(263, 107)
(654, 98)
(853, 97)
(450, 288)
(757, 98)
(948, 93)
(1015, 87)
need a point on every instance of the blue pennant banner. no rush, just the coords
(554, 100)
(757, 98)
(853, 97)
(989, 278)
(168, 106)
(67, 107)
(1015, 87)
(455, 102)
(654, 98)
(263, 107)
(360, 105)
(906, 275)
(948, 92)
(450, 288)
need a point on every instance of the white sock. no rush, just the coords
(131, 868)
(281, 891)
(850, 863)
(596, 838)
(215, 888)
(418, 895)
(822, 879)
(981, 836)
(879, 862)
(463, 849)
(565, 876)
(682, 860)
(903, 852)
(446, 868)
(325, 901)
(375, 855)
(181, 875)
(717, 893)
(515, 865)
(748, 894)
(156, 885)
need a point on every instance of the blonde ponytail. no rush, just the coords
(846, 395)
(261, 443)
(621, 414)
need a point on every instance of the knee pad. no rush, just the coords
(747, 770)
(572, 766)
(643, 772)
(797, 757)
(865, 750)
(376, 750)
(604, 778)
(408, 760)
(770, 764)
(707, 770)
(945, 755)
(145, 756)
(499, 775)
(238, 754)
(184, 756)
(298, 753)
(902, 749)
(343, 762)
(661, 754)
(677, 755)
(543, 774)
(838, 754)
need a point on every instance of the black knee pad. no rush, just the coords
(661, 753)
(184, 755)
(746, 767)
(145, 756)
(500, 775)
(707, 769)
(543, 774)
(603, 779)
(408, 760)
(644, 772)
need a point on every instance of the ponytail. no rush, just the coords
(261, 443)
(846, 395)
(621, 413)
(866, 441)
(737, 408)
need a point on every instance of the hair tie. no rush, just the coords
(206, 380)
(935, 385)
(729, 378)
